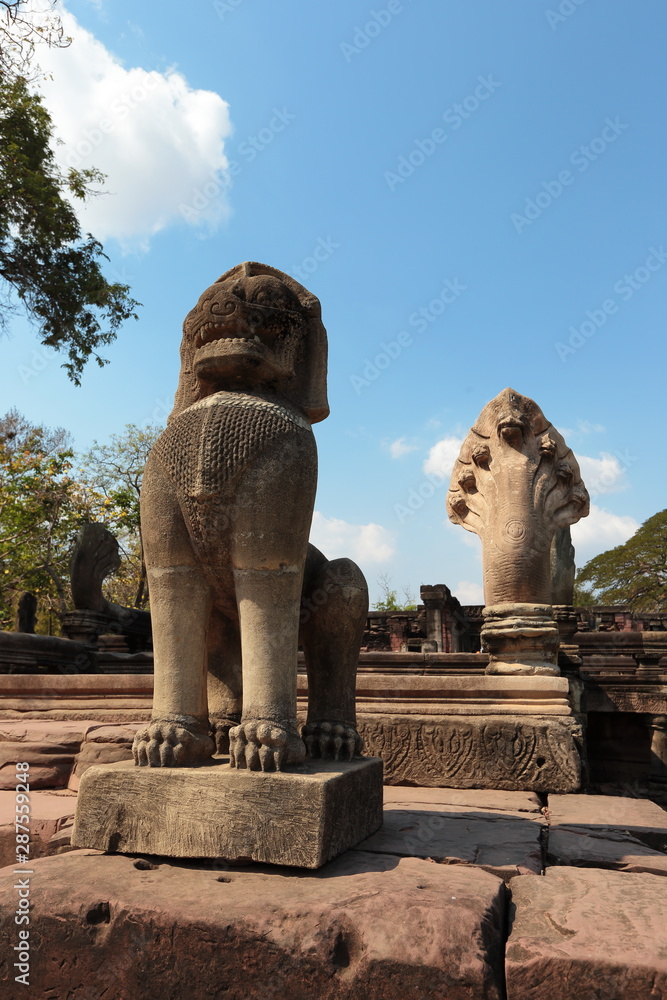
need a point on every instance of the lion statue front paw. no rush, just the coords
(332, 740)
(172, 742)
(265, 745)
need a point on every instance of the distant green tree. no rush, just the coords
(44, 500)
(48, 267)
(390, 601)
(634, 573)
(115, 470)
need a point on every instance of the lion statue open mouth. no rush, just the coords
(226, 507)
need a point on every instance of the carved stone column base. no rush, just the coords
(302, 817)
(658, 766)
(526, 753)
(520, 639)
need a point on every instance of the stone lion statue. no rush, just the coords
(226, 507)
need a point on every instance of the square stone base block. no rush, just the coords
(517, 753)
(302, 817)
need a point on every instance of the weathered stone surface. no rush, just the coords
(523, 754)
(365, 925)
(515, 483)
(301, 817)
(612, 849)
(51, 818)
(49, 748)
(641, 818)
(50, 766)
(456, 694)
(491, 800)
(98, 753)
(579, 933)
(234, 582)
(503, 845)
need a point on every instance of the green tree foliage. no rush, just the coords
(47, 265)
(39, 512)
(44, 500)
(390, 601)
(634, 573)
(115, 471)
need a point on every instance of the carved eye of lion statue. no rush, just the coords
(226, 506)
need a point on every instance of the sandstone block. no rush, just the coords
(579, 933)
(97, 753)
(524, 753)
(615, 850)
(641, 818)
(51, 817)
(374, 926)
(505, 846)
(50, 766)
(487, 799)
(300, 817)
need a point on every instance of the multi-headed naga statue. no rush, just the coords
(226, 507)
(515, 483)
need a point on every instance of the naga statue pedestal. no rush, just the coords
(301, 817)
(520, 639)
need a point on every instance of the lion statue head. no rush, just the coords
(255, 328)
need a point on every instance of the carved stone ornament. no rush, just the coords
(515, 483)
(226, 507)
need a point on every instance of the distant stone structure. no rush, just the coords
(26, 613)
(515, 483)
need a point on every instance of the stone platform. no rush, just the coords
(438, 730)
(463, 893)
(303, 816)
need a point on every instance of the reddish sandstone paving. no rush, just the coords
(586, 934)
(382, 927)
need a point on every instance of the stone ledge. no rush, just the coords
(521, 754)
(302, 817)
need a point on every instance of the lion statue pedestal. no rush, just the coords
(226, 507)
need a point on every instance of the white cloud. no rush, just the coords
(600, 531)
(468, 592)
(441, 457)
(157, 140)
(400, 447)
(602, 475)
(365, 543)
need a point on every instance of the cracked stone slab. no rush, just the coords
(410, 797)
(504, 844)
(611, 849)
(639, 818)
(370, 925)
(583, 933)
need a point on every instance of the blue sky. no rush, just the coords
(475, 192)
